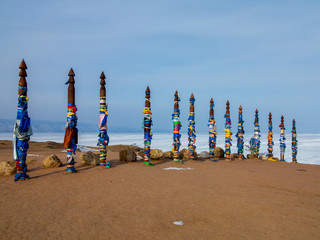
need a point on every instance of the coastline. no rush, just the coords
(248, 199)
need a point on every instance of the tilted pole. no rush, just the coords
(255, 140)
(228, 133)
(240, 134)
(71, 134)
(22, 127)
(176, 128)
(294, 142)
(212, 132)
(147, 123)
(282, 139)
(191, 130)
(103, 140)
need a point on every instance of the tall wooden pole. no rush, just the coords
(176, 128)
(212, 132)
(240, 134)
(228, 133)
(294, 142)
(71, 134)
(255, 140)
(103, 140)
(22, 127)
(270, 139)
(147, 123)
(192, 130)
(282, 139)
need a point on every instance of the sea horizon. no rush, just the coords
(308, 143)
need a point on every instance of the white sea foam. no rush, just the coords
(179, 223)
(308, 144)
(86, 149)
(176, 168)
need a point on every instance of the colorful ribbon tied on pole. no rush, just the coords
(294, 142)
(255, 140)
(239, 135)
(191, 130)
(22, 127)
(212, 132)
(228, 133)
(176, 128)
(270, 139)
(282, 139)
(103, 138)
(71, 133)
(147, 123)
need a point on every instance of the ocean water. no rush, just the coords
(308, 144)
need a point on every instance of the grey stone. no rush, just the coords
(204, 155)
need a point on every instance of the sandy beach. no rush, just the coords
(249, 199)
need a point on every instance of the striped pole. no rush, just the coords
(103, 140)
(270, 139)
(239, 135)
(147, 123)
(71, 134)
(228, 133)
(282, 139)
(255, 140)
(176, 128)
(294, 142)
(212, 132)
(22, 127)
(191, 130)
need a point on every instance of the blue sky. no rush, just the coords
(260, 54)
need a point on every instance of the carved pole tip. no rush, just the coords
(102, 76)
(176, 93)
(71, 73)
(23, 64)
(147, 89)
(211, 100)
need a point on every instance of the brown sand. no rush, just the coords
(250, 199)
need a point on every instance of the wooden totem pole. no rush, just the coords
(228, 133)
(103, 140)
(71, 134)
(212, 132)
(282, 139)
(22, 127)
(240, 134)
(147, 123)
(176, 128)
(192, 130)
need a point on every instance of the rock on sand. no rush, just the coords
(7, 168)
(156, 154)
(218, 152)
(127, 156)
(89, 158)
(52, 162)
(204, 155)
